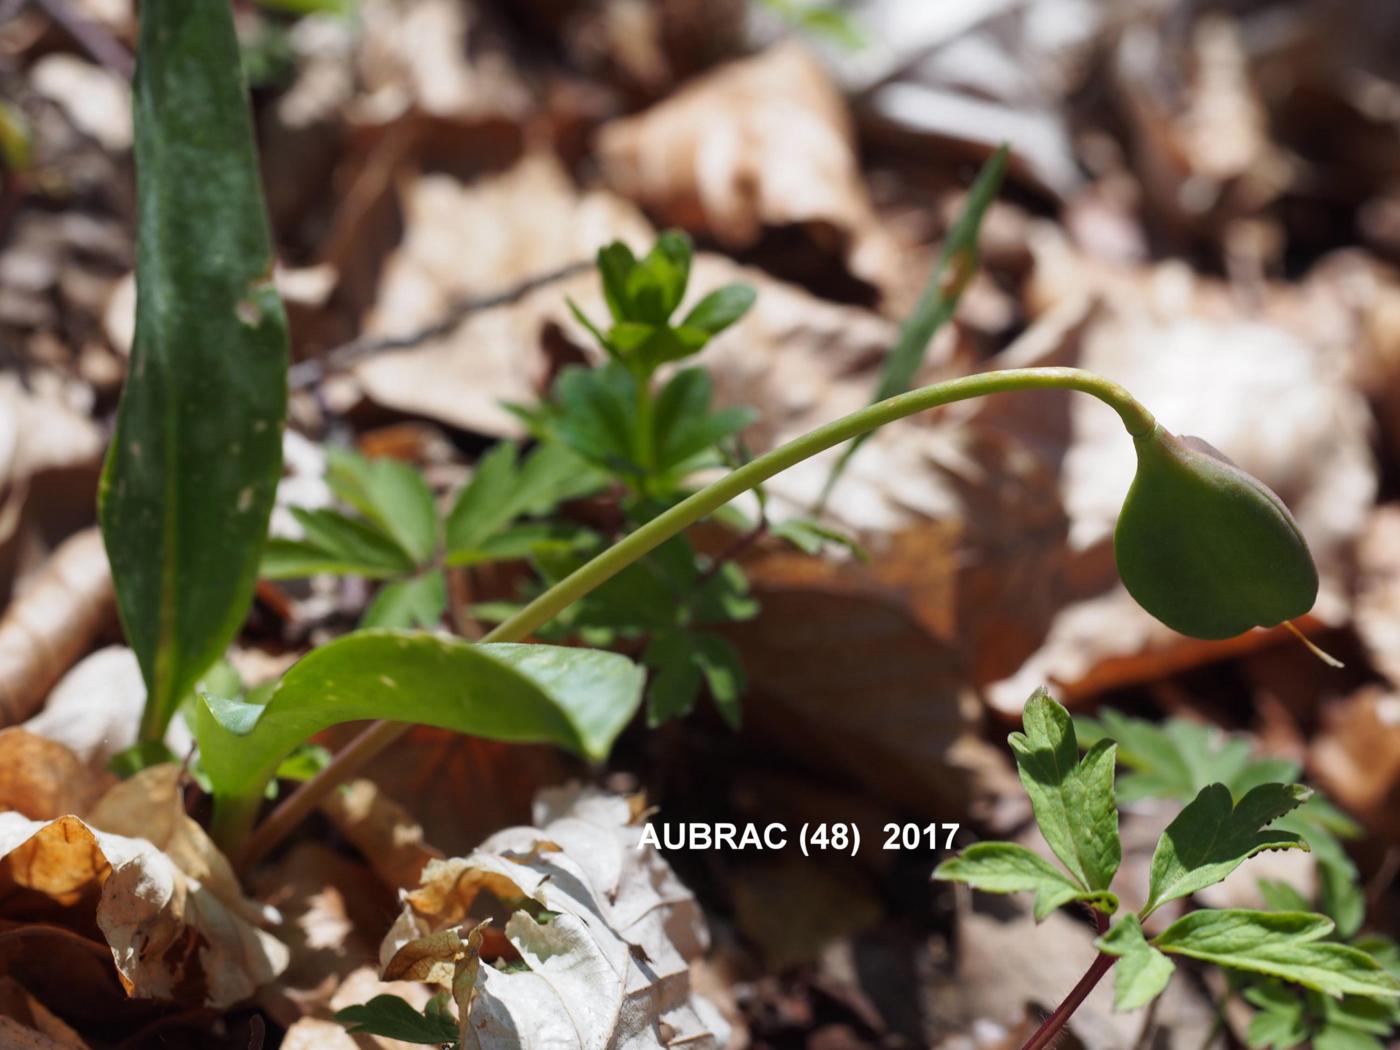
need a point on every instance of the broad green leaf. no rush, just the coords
(394, 1018)
(1175, 759)
(1005, 867)
(1283, 944)
(418, 602)
(1072, 797)
(721, 308)
(1212, 837)
(1142, 972)
(1280, 896)
(197, 449)
(392, 495)
(579, 699)
(957, 263)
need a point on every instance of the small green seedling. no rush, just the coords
(1075, 807)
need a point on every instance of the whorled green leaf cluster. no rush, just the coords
(1075, 808)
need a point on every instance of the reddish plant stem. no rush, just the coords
(1045, 1034)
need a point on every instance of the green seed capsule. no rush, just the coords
(1206, 548)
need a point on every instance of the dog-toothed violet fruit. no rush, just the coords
(1206, 548)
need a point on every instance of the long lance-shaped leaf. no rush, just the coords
(956, 265)
(579, 699)
(194, 461)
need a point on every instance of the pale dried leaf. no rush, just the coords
(1377, 609)
(1357, 758)
(763, 142)
(18, 1007)
(97, 100)
(96, 709)
(51, 622)
(609, 969)
(170, 935)
(383, 831)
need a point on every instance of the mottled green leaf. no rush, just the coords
(1072, 797)
(1212, 837)
(1287, 945)
(1005, 867)
(197, 449)
(1142, 972)
(721, 308)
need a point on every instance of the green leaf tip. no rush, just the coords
(1205, 547)
(1072, 797)
(1213, 836)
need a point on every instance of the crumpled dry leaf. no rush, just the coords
(51, 622)
(96, 709)
(610, 967)
(763, 142)
(43, 779)
(1377, 608)
(383, 831)
(177, 924)
(461, 376)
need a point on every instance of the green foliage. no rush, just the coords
(394, 1018)
(195, 457)
(957, 264)
(1206, 548)
(1005, 867)
(1072, 797)
(830, 22)
(579, 699)
(1074, 805)
(1213, 836)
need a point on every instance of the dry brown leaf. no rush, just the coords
(360, 986)
(763, 142)
(383, 831)
(171, 934)
(609, 969)
(51, 622)
(97, 100)
(42, 779)
(1377, 608)
(19, 1008)
(1356, 759)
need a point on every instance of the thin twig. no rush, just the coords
(92, 36)
(307, 374)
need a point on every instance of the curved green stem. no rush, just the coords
(610, 562)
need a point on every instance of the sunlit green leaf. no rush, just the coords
(1005, 867)
(1142, 971)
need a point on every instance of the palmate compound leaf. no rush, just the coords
(1072, 797)
(1283, 944)
(1005, 867)
(1213, 836)
(1142, 971)
(578, 699)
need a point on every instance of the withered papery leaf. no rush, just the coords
(172, 936)
(605, 931)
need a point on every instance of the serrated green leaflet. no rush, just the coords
(579, 699)
(197, 450)
(418, 602)
(1142, 971)
(1281, 944)
(1005, 867)
(392, 495)
(1072, 797)
(1212, 837)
